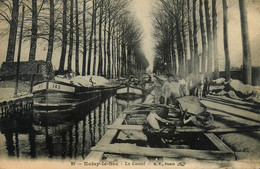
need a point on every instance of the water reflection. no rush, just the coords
(56, 135)
(59, 135)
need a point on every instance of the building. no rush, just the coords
(38, 70)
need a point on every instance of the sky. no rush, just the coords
(142, 10)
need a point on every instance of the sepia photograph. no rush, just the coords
(129, 84)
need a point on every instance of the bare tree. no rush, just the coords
(77, 38)
(71, 37)
(215, 38)
(51, 32)
(109, 41)
(95, 39)
(104, 47)
(12, 31)
(209, 36)
(34, 31)
(245, 41)
(64, 37)
(190, 36)
(91, 37)
(195, 30)
(183, 12)
(19, 53)
(100, 39)
(225, 38)
(203, 38)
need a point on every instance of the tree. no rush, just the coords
(51, 32)
(19, 53)
(209, 36)
(190, 36)
(64, 37)
(203, 38)
(215, 39)
(109, 41)
(225, 38)
(95, 39)
(71, 37)
(195, 30)
(91, 37)
(77, 38)
(245, 42)
(34, 29)
(100, 39)
(183, 11)
(84, 39)
(170, 33)
(13, 31)
(104, 47)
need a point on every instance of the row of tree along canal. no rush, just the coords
(177, 26)
(101, 32)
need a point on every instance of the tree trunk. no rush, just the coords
(196, 57)
(64, 37)
(118, 54)
(71, 37)
(95, 41)
(113, 55)
(184, 41)
(51, 33)
(13, 32)
(173, 55)
(90, 39)
(123, 73)
(179, 47)
(84, 40)
(104, 44)
(129, 51)
(225, 36)
(245, 42)
(19, 53)
(190, 38)
(203, 39)
(209, 36)
(215, 39)
(77, 39)
(100, 39)
(108, 46)
(34, 31)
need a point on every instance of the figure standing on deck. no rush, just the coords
(207, 81)
(200, 86)
(171, 90)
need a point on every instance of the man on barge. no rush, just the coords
(154, 127)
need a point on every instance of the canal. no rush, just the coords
(59, 135)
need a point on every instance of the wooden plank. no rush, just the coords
(126, 127)
(107, 138)
(136, 111)
(164, 152)
(218, 143)
(132, 135)
(188, 129)
(154, 105)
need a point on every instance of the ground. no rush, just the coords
(229, 112)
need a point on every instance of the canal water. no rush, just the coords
(59, 135)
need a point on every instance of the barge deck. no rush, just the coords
(125, 141)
